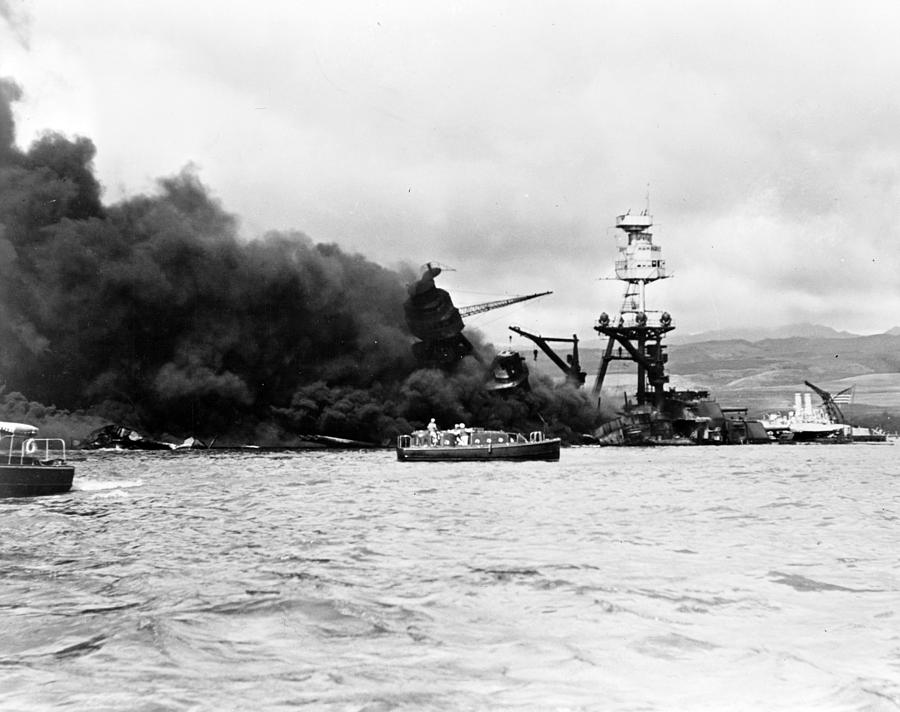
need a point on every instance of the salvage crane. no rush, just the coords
(830, 402)
(571, 366)
(473, 309)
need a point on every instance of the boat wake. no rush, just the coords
(104, 485)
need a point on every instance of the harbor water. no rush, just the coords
(731, 578)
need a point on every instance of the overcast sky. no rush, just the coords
(502, 138)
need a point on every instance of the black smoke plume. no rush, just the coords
(154, 312)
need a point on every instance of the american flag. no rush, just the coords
(844, 397)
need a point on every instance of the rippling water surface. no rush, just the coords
(741, 578)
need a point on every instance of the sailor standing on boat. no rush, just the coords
(432, 432)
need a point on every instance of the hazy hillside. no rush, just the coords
(785, 361)
(764, 375)
(811, 331)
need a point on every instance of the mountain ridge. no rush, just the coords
(804, 330)
(754, 334)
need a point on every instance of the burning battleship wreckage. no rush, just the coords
(153, 318)
(655, 414)
(498, 384)
(155, 312)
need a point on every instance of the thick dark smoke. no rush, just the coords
(154, 312)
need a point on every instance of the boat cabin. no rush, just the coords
(472, 437)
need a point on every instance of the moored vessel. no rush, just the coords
(825, 422)
(32, 466)
(467, 444)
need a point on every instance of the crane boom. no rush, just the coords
(572, 369)
(828, 402)
(487, 306)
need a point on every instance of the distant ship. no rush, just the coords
(825, 422)
(805, 423)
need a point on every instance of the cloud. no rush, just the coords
(16, 19)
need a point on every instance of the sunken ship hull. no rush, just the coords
(683, 419)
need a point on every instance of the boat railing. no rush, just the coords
(40, 449)
(536, 436)
(10, 451)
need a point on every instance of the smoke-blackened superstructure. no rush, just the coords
(435, 321)
(438, 323)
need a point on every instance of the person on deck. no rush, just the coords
(432, 432)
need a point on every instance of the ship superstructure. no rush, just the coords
(636, 334)
(656, 414)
